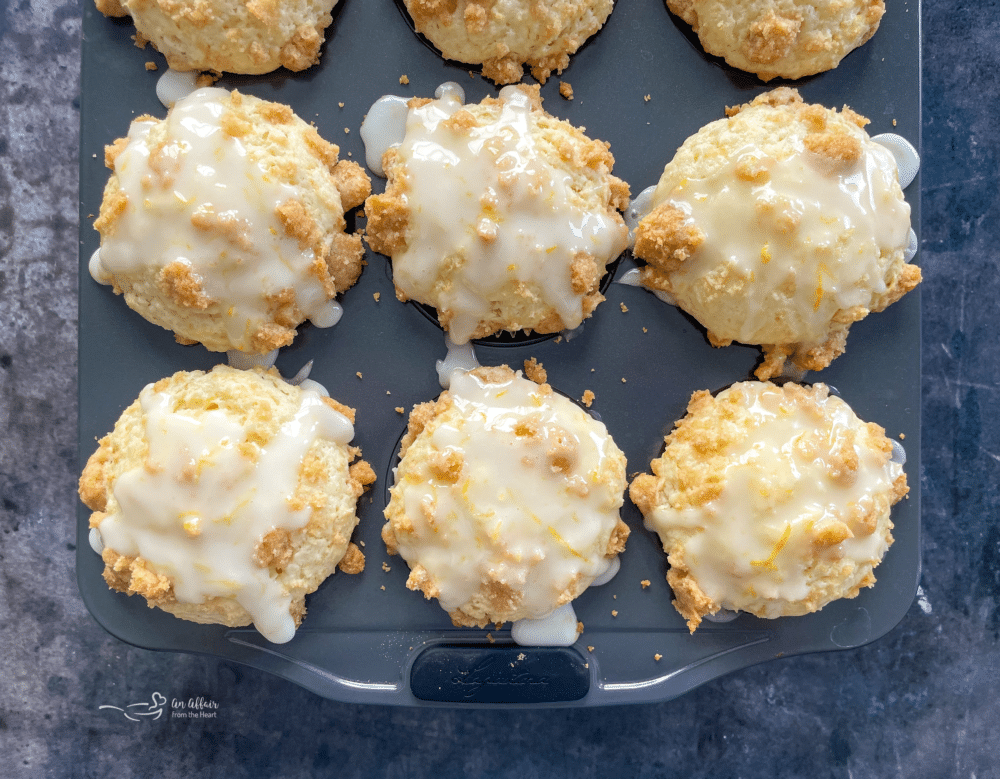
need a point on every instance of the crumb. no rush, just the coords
(590, 649)
(521, 656)
(902, 436)
(471, 74)
(579, 628)
(347, 130)
(400, 410)
(586, 665)
(657, 657)
(588, 398)
(386, 567)
(614, 597)
(624, 308)
(623, 379)
(340, 104)
(893, 122)
(404, 79)
(382, 588)
(645, 330)
(558, 339)
(534, 371)
(376, 295)
(566, 90)
(489, 637)
(647, 98)
(645, 583)
(140, 40)
(362, 543)
(614, 612)
(150, 66)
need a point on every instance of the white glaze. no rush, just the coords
(907, 159)
(199, 505)
(384, 126)
(557, 629)
(175, 85)
(210, 175)
(246, 360)
(460, 357)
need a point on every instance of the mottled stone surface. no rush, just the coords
(921, 702)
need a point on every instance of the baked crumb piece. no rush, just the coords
(588, 398)
(566, 90)
(657, 657)
(377, 296)
(590, 649)
(404, 79)
(358, 374)
(647, 98)
(645, 583)
(614, 612)
(624, 308)
(400, 410)
(579, 628)
(150, 66)
(340, 104)
(534, 371)
(902, 436)
(386, 567)
(353, 561)
(489, 637)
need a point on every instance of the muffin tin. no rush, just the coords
(643, 84)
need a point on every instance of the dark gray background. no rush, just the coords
(920, 702)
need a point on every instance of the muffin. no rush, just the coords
(498, 215)
(225, 223)
(771, 500)
(256, 36)
(503, 36)
(227, 497)
(781, 38)
(506, 498)
(779, 226)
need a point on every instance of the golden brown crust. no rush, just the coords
(667, 237)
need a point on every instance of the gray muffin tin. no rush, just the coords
(362, 643)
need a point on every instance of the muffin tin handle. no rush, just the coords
(477, 674)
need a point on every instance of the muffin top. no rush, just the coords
(226, 497)
(504, 35)
(506, 499)
(779, 226)
(771, 500)
(225, 223)
(781, 38)
(498, 215)
(253, 36)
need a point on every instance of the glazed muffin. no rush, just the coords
(227, 497)
(225, 223)
(506, 499)
(779, 226)
(498, 215)
(256, 36)
(505, 35)
(771, 500)
(781, 38)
